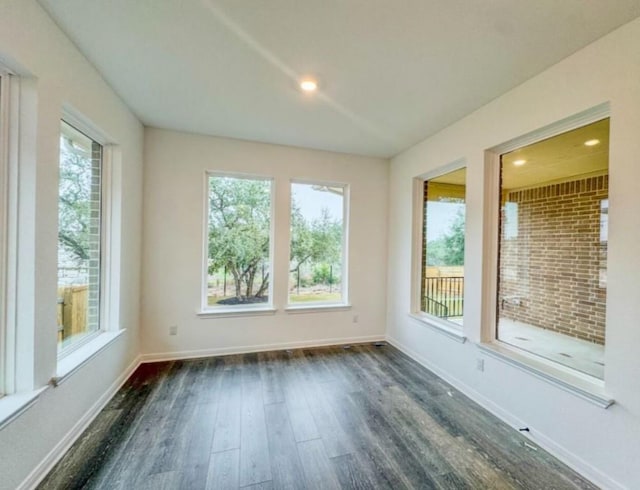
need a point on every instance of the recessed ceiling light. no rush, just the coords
(519, 163)
(593, 142)
(308, 85)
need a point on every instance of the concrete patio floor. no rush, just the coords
(578, 354)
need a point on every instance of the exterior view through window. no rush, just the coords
(442, 278)
(239, 240)
(317, 243)
(79, 236)
(552, 277)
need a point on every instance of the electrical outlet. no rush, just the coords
(355, 318)
(480, 364)
(173, 330)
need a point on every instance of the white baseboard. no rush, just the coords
(544, 441)
(247, 349)
(50, 460)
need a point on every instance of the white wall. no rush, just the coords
(175, 165)
(603, 444)
(56, 75)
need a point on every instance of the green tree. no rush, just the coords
(74, 210)
(448, 250)
(324, 274)
(239, 217)
(318, 241)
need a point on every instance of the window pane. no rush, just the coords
(553, 248)
(3, 232)
(317, 237)
(79, 231)
(442, 284)
(239, 231)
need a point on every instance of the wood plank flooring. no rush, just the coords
(362, 417)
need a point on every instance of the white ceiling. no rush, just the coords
(391, 72)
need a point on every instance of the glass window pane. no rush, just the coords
(317, 240)
(3, 231)
(442, 284)
(553, 248)
(239, 231)
(79, 240)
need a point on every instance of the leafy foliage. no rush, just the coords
(324, 274)
(448, 250)
(239, 227)
(319, 241)
(74, 207)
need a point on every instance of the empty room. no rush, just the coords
(352, 244)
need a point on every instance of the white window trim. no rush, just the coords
(344, 269)
(445, 327)
(11, 407)
(78, 353)
(12, 402)
(450, 329)
(9, 112)
(317, 307)
(568, 379)
(206, 311)
(5, 94)
(244, 311)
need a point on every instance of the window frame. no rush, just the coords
(105, 324)
(206, 311)
(7, 343)
(9, 183)
(446, 327)
(582, 385)
(344, 266)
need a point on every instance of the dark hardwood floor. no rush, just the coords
(363, 417)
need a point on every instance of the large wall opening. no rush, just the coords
(552, 278)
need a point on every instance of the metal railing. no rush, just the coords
(443, 296)
(436, 308)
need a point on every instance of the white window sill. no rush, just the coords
(12, 406)
(569, 380)
(317, 308)
(236, 312)
(70, 363)
(444, 327)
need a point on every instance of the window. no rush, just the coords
(238, 268)
(4, 202)
(9, 102)
(442, 251)
(79, 238)
(552, 265)
(317, 272)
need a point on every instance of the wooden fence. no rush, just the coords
(72, 310)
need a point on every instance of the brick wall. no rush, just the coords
(552, 261)
(93, 301)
